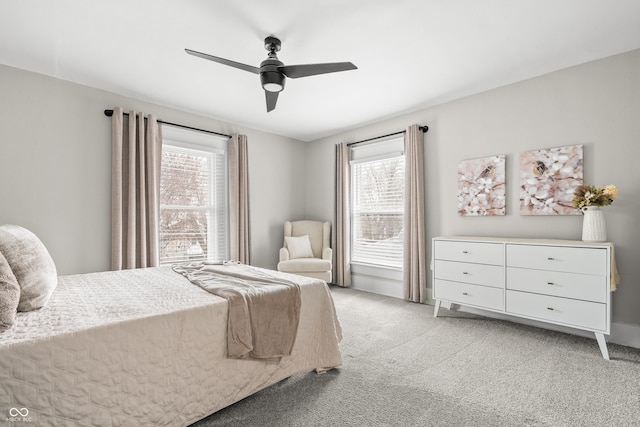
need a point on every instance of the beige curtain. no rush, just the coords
(342, 235)
(239, 199)
(415, 255)
(136, 145)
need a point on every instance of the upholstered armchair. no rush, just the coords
(306, 249)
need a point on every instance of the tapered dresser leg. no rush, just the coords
(437, 307)
(603, 345)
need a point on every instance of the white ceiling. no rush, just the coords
(410, 54)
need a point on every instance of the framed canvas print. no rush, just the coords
(481, 186)
(548, 179)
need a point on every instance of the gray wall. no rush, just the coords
(595, 104)
(55, 161)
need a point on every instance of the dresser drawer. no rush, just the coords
(558, 258)
(555, 283)
(470, 295)
(579, 314)
(479, 274)
(476, 252)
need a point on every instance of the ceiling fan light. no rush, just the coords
(272, 81)
(272, 87)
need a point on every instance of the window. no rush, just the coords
(377, 204)
(193, 196)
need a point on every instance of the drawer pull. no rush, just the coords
(465, 293)
(465, 252)
(550, 283)
(465, 273)
(551, 258)
(550, 308)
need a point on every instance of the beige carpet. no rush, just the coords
(402, 367)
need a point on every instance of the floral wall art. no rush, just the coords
(481, 186)
(548, 179)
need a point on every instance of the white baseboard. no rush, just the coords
(625, 334)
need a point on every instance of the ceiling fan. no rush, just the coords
(273, 72)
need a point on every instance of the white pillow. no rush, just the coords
(31, 264)
(299, 247)
(9, 295)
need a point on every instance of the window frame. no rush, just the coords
(373, 152)
(201, 142)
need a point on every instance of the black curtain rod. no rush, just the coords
(109, 113)
(424, 129)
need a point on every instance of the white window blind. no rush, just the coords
(377, 209)
(193, 198)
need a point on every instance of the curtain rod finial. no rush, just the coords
(424, 128)
(108, 113)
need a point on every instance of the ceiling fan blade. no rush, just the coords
(295, 71)
(228, 62)
(272, 98)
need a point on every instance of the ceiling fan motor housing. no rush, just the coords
(271, 78)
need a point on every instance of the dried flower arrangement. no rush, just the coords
(591, 195)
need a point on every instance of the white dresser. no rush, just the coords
(563, 282)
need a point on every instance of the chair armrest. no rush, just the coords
(284, 254)
(327, 253)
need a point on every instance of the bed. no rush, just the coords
(145, 347)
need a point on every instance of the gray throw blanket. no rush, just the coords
(264, 310)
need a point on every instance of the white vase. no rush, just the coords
(593, 226)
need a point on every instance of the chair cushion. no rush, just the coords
(301, 265)
(299, 247)
(322, 275)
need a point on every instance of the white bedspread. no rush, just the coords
(144, 347)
